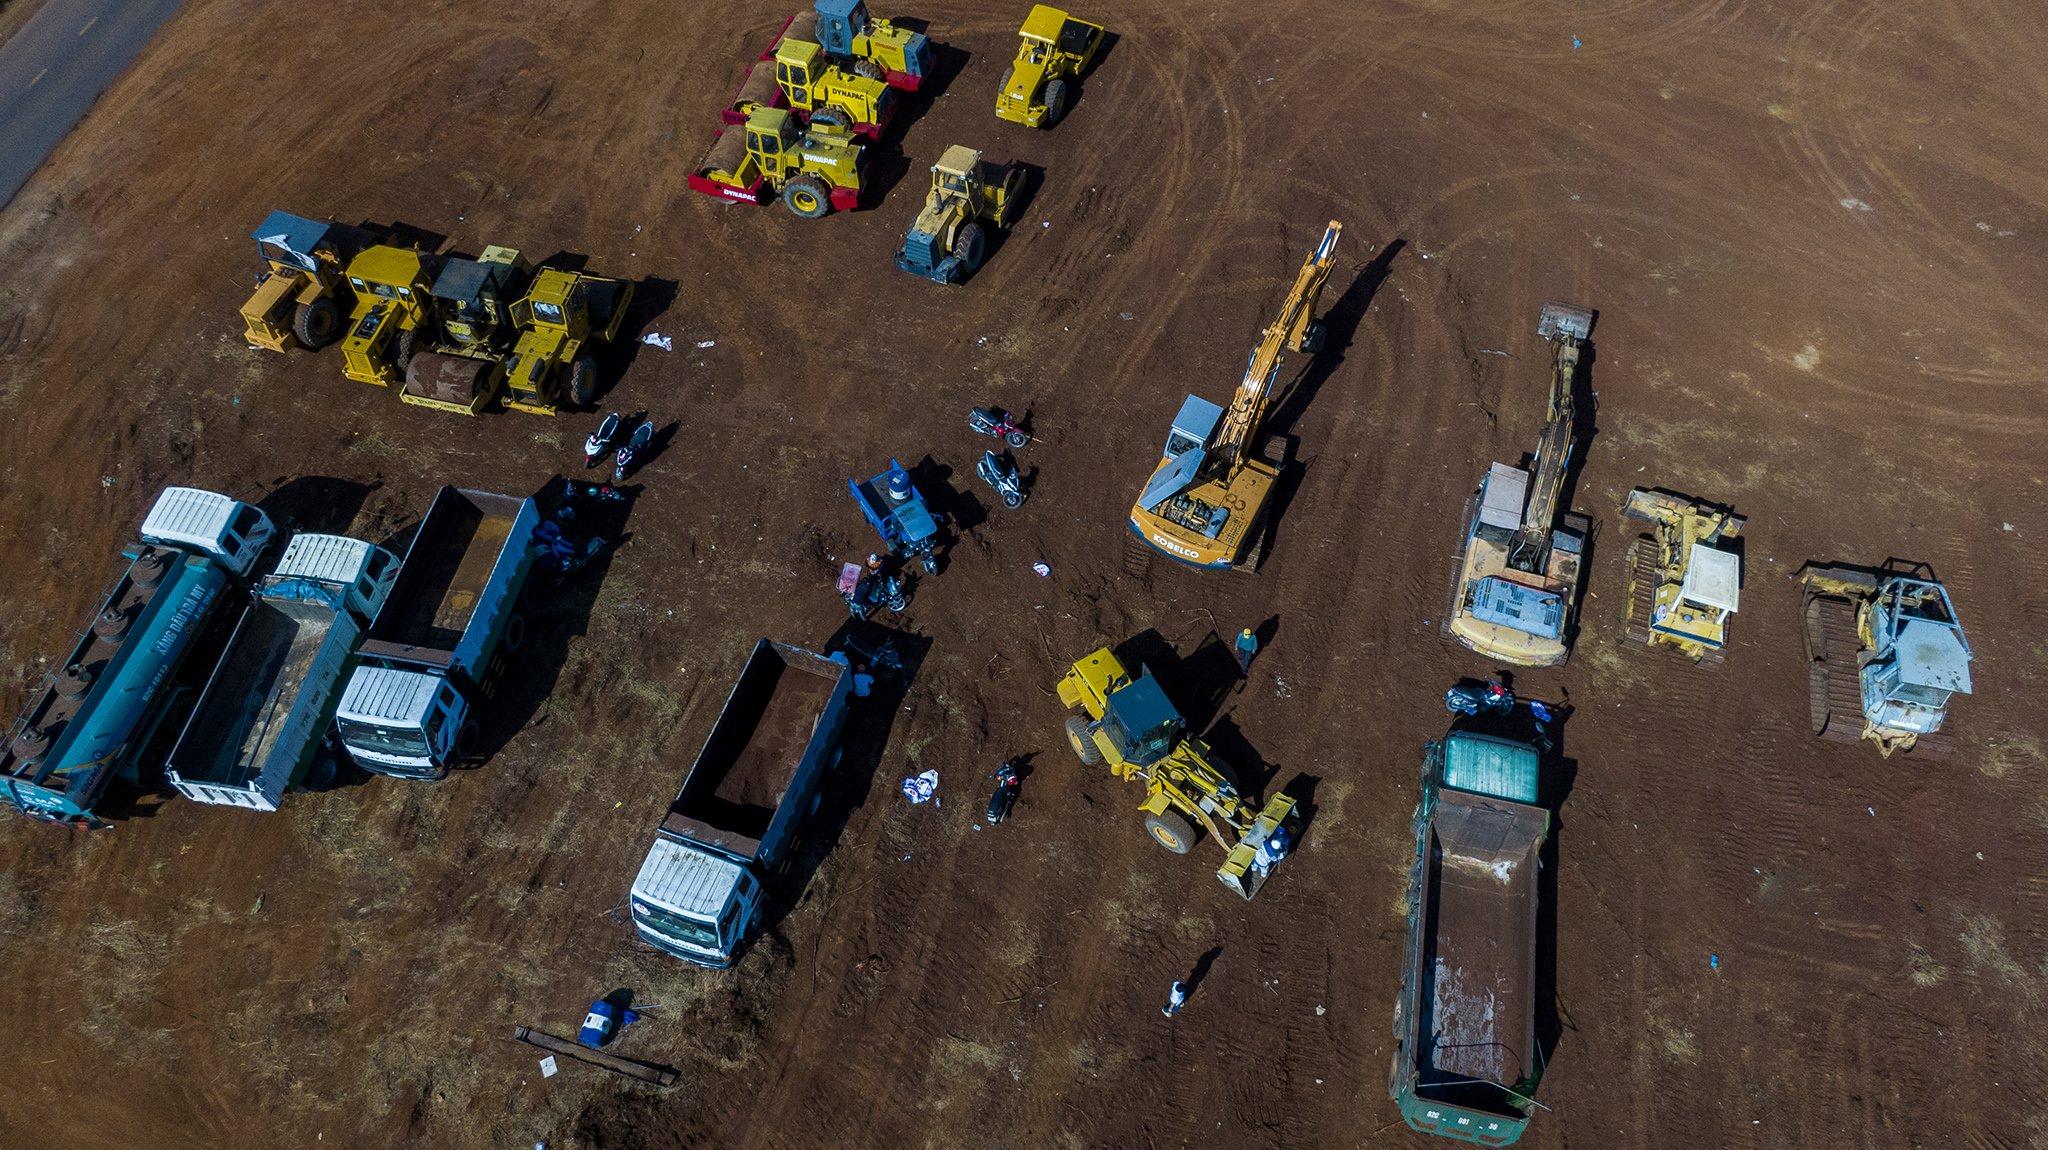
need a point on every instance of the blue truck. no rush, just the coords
(263, 719)
(128, 677)
(896, 509)
(700, 889)
(429, 660)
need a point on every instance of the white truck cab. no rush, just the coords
(208, 523)
(403, 722)
(692, 904)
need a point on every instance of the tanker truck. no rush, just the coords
(129, 675)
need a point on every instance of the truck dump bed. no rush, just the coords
(447, 570)
(1479, 940)
(765, 736)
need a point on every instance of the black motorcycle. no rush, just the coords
(1008, 779)
(1000, 472)
(1472, 697)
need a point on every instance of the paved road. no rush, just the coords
(56, 65)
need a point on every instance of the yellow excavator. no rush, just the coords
(1518, 571)
(1684, 581)
(1205, 504)
(1133, 728)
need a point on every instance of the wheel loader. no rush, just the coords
(563, 315)
(1685, 583)
(391, 286)
(302, 293)
(1134, 729)
(460, 361)
(949, 237)
(814, 170)
(802, 78)
(1885, 654)
(1054, 51)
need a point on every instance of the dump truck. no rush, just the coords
(1133, 728)
(1466, 1060)
(431, 658)
(262, 721)
(129, 676)
(391, 286)
(814, 170)
(303, 293)
(1054, 50)
(1685, 576)
(1885, 654)
(701, 888)
(460, 359)
(968, 197)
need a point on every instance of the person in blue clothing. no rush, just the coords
(1247, 646)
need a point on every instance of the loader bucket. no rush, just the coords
(450, 382)
(1563, 319)
(1248, 865)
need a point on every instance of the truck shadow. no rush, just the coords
(893, 657)
(317, 503)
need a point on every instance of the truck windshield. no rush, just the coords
(390, 740)
(686, 928)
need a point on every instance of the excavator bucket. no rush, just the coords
(1250, 862)
(1563, 319)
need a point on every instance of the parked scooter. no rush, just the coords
(1008, 779)
(870, 590)
(999, 423)
(1471, 697)
(1000, 472)
(599, 443)
(630, 452)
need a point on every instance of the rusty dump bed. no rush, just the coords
(1479, 961)
(753, 754)
(446, 570)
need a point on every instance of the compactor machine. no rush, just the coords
(968, 197)
(1685, 577)
(1885, 654)
(1205, 504)
(1518, 568)
(564, 315)
(469, 328)
(814, 170)
(1054, 50)
(800, 77)
(302, 294)
(391, 286)
(1135, 730)
(869, 45)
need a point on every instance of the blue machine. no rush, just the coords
(897, 511)
(846, 31)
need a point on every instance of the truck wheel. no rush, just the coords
(582, 381)
(1170, 831)
(1055, 103)
(407, 340)
(317, 323)
(805, 196)
(970, 244)
(870, 69)
(515, 632)
(834, 116)
(1084, 746)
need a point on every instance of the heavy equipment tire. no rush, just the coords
(970, 243)
(515, 632)
(316, 324)
(1084, 746)
(835, 116)
(407, 341)
(1171, 831)
(73, 682)
(806, 196)
(1055, 103)
(582, 381)
(870, 69)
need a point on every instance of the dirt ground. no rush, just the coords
(1814, 233)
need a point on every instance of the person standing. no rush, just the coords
(1247, 646)
(1176, 997)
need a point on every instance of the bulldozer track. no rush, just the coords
(1834, 696)
(1642, 588)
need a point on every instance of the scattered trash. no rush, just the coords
(237, 401)
(1123, 315)
(1045, 223)
(106, 481)
(1854, 204)
(918, 788)
(1044, 572)
(547, 1067)
(1576, 42)
(1319, 1013)
(1872, 810)
(704, 343)
(1713, 962)
(656, 339)
(2005, 527)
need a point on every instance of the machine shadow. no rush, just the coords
(651, 300)
(316, 503)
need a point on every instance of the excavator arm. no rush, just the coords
(1296, 329)
(1565, 327)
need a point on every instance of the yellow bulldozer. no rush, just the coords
(302, 293)
(814, 170)
(1054, 50)
(949, 237)
(391, 286)
(1134, 729)
(1685, 582)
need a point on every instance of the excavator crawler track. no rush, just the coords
(1833, 690)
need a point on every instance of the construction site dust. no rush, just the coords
(988, 684)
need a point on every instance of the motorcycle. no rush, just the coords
(1008, 779)
(1475, 698)
(1000, 472)
(599, 442)
(631, 450)
(997, 422)
(872, 590)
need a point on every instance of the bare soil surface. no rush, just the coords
(1815, 236)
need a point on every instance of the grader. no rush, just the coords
(391, 286)
(948, 239)
(300, 294)
(813, 170)
(1132, 727)
(1684, 583)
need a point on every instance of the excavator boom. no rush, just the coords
(1564, 327)
(1295, 327)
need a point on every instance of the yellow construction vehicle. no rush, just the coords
(1885, 653)
(814, 170)
(948, 239)
(562, 316)
(391, 285)
(1206, 501)
(1133, 728)
(1517, 572)
(801, 78)
(872, 46)
(459, 362)
(1684, 582)
(1055, 49)
(301, 294)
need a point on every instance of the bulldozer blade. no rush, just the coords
(1564, 319)
(447, 379)
(1835, 579)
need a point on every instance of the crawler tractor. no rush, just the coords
(1685, 583)
(469, 329)
(1135, 730)
(391, 286)
(300, 297)
(1885, 653)
(813, 170)
(947, 241)
(1055, 50)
